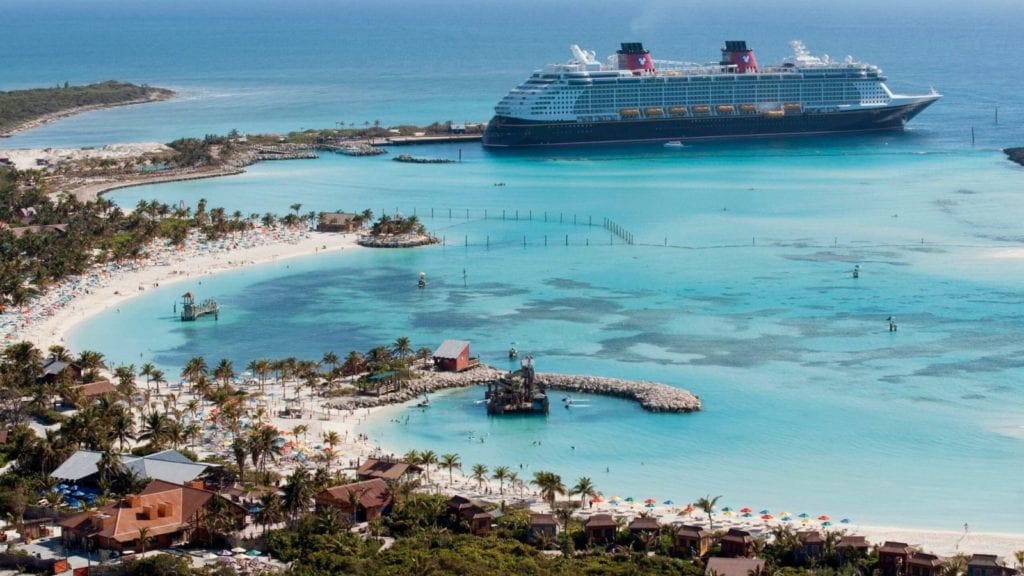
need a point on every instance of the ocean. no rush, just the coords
(738, 288)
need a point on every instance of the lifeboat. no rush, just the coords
(629, 113)
(791, 106)
(774, 114)
(649, 112)
(701, 109)
(677, 111)
(724, 108)
(748, 108)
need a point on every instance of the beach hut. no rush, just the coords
(691, 541)
(734, 567)
(737, 543)
(453, 356)
(643, 527)
(988, 565)
(472, 513)
(338, 222)
(851, 548)
(893, 558)
(385, 469)
(600, 529)
(542, 528)
(812, 545)
(923, 564)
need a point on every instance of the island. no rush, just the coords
(26, 109)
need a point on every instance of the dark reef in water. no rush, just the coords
(1015, 154)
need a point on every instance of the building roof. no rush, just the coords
(22, 230)
(385, 469)
(337, 218)
(173, 506)
(372, 494)
(542, 520)
(451, 349)
(97, 388)
(644, 523)
(852, 542)
(891, 547)
(717, 566)
(810, 537)
(53, 367)
(925, 559)
(737, 535)
(693, 531)
(985, 560)
(168, 465)
(600, 521)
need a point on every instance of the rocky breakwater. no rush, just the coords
(652, 396)
(396, 240)
(1015, 155)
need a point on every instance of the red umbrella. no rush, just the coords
(596, 499)
(650, 501)
(767, 517)
(823, 518)
(745, 510)
(688, 509)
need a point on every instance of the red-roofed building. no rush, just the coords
(168, 514)
(362, 501)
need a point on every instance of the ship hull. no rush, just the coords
(506, 132)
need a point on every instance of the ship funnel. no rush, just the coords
(737, 54)
(632, 56)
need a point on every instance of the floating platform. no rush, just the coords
(517, 393)
(190, 311)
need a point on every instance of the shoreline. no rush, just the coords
(55, 116)
(55, 314)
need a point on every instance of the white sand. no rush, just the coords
(56, 313)
(25, 158)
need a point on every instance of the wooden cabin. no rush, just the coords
(453, 356)
(893, 558)
(737, 543)
(812, 545)
(600, 529)
(718, 566)
(922, 564)
(691, 541)
(360, 501)
(542, 527)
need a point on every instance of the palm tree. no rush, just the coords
(143, 539)
(331, 438)
(428, 458)
(501, 474)
(550, 485)
(1019, 557)
(480, 475)
(147, 371)
(154, 428)
(585, 488)
(707, 504)
(402, 347)
(157, 377)
(271, 511)
(225, 371)
(449, 462)
(194, 369)
(122, 428)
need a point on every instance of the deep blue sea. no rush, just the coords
(739, 286)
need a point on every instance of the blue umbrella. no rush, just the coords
(62, 486)
(78, 494)
(668, 502)
(845, 521)
(765, 511)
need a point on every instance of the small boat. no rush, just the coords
(677, 110)
(651, 112)
(724, 108)
(513, 353)
(701, 109)
(629, 112)
(673, 144)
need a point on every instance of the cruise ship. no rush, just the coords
(634, 98)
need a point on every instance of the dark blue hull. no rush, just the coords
(504, 132)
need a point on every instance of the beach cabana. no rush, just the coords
(372, 499)
(600, 529)
(643, 527)
(737, 543)
(988, 565)
(812, 545)
(691, 541)
(893, 558)
(543, 527)
(922, 564)
(338, 222)
(734, 567)
(850, 548)
(385, 469)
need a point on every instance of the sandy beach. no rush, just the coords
(47, 118)
(50, 317)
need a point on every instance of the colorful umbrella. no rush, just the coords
(746, 510)
(804, 515)
(668, 502)
(765, 511)
(747, 515)
(823, 517)
(650, 501)
(629, 499)
(596, 499)
(786, 518)
(826, 523)
(649, 505)
(727, 509)
(688, 509)
(845, 521)
(767, 517)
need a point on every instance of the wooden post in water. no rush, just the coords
(972, 135)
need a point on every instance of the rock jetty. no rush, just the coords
(284, 152)
(396, 240)
(652, 396)
(415, 160)
(1015, 154)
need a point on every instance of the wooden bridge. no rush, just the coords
(190, 310)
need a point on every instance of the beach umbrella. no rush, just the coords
(596, 499)
(238, 550)
(804, 515)
(727, 509)
(689, 508)
(784, 513)
(209, 556)
(805, 521)
(767, 517)
(823, 517)
(746, 510)
(845, 521)
(668, 502)
(786, 518)
(650, 501)
(629, 499)
(651, 505)
(765, 511)
(224, 553)
(253, 553)
(826, 523)
(748, 515)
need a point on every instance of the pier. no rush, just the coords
(190, 311)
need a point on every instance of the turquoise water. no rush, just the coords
(739, 287)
